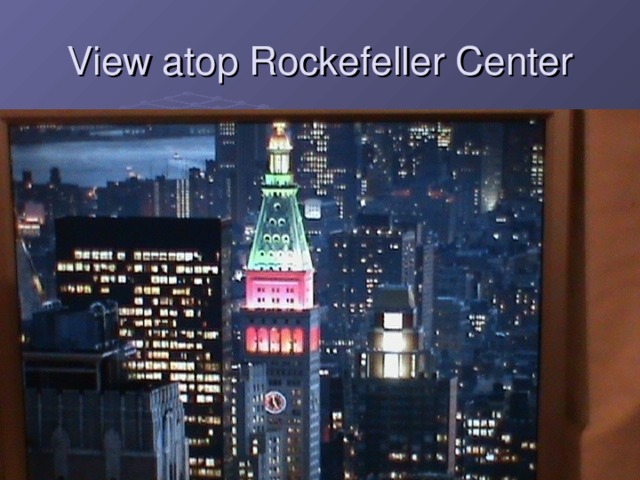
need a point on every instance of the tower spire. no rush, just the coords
(279, 270)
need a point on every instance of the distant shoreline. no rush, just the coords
(111, 155)
(33, 135)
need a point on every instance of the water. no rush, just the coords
(91, 163)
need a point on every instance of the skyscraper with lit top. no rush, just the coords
(280, 325)
(405, 417)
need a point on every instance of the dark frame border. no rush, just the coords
(562, 405)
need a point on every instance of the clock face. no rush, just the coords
(275, 402)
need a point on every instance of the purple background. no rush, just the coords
(36, 70)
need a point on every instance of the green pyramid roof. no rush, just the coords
(280, 242)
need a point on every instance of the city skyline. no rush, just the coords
(452, 211)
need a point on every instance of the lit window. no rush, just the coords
(274, 340)
(391, 365)
(263, 340)
(392, 321)
(393, 342)
(298, 340)
(286, 341)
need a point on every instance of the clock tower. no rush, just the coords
(279, 325)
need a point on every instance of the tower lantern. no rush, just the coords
(279, 150)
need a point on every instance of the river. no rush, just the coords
(91, 163)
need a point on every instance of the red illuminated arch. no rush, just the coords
(251, 340)
(274, 340)
(286, 341)
(298, 340)
(263, 340)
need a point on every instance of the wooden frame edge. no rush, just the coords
(561, 411)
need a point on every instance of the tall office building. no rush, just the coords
(183, 198)
(491, 168)
(404, 417)
(522, 165)
(247, 423)
(481, 144)
(497, 435)
(169, 277)
(427, 251)
(325, 155)
(280, 325)
(360, 260)
(240, 151)
(228, 177)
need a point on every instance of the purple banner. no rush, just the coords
(377, 54)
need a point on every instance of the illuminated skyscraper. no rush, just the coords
(169, 277)
(404, 417)
(280, 325)
(240, 156)
(325, 155)
(522, 165)
(183, 198)
(360, 260)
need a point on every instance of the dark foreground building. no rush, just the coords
(84, 421)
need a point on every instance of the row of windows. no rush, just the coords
(146, 290)
(98, 255)
(86, 267)
(176, 345)
(276, 290)
(193, 378)
(287, 321)
(79, 288)
(179, 270)
(276, 300)
(167, 256)
(174, 366)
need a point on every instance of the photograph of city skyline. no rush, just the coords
(281, 300)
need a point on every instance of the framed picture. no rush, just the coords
(310, 295)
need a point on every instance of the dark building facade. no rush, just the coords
(84, 420)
